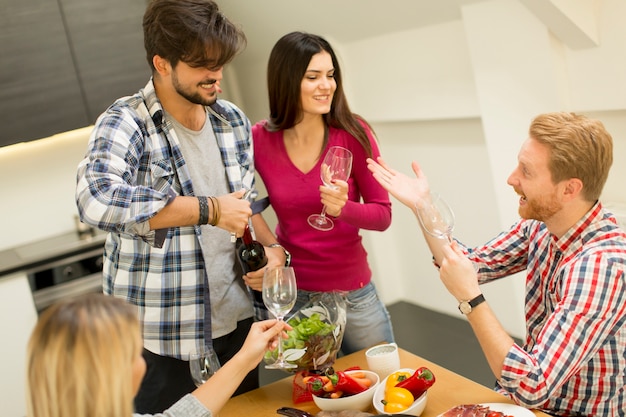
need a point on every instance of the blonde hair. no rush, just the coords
(80, 358)
(580, 147)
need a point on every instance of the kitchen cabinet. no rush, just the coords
(66, 61)
(17, 319)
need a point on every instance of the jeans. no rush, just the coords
(367, 319)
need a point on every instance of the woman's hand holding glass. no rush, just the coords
(279, 296)
(336, 166)
(334, 198)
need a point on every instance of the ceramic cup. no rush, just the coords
(383, 359)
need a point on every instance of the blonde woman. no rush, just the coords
(85, 359)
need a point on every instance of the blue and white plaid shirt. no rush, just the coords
(132, 169)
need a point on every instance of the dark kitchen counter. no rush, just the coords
(28, 256)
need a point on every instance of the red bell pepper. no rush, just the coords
(345, 383)
(315, 385)
(419, 382)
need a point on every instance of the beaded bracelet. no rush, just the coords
(204, 210)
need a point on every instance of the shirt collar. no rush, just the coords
(577, 231)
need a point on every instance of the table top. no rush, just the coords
(450, 390)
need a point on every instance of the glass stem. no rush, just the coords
(280, 344)
(322, 218)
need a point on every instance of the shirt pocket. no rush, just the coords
(161, 176)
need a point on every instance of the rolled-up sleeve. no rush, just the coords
(123, 181)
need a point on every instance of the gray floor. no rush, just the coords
(445, 340)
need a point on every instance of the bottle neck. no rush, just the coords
(247, 236)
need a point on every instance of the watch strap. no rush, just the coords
(473, 303)
(287, 254)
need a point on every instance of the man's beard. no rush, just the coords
(193, 96)
(541, 210)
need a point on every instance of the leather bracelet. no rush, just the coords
(216, 211)
(212, 212)
(204, 210)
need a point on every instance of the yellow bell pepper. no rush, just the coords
(397, 399)
(394, 408)
(396, 377)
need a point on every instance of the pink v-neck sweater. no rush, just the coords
(323, 261)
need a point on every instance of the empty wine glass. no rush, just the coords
(336, 166)
(436, 217)
(203, 363)
(279, 296)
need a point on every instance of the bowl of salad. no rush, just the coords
(316, 334)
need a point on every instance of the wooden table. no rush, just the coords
(450, 389)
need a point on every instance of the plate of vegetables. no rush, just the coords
(343, 390)
(404, 391)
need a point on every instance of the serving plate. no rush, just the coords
(510, 409)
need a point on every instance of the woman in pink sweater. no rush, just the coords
(309, 113)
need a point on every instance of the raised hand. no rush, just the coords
(409, 191)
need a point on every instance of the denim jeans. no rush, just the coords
(367, 319)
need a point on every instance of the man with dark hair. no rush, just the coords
(165, 174)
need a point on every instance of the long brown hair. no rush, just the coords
(287, 65)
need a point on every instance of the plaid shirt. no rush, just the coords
(573, 361)
(132, 169)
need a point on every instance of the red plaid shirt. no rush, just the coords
(573, 361)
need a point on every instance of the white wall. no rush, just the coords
(37, 180)
(457, 97)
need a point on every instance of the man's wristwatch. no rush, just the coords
(287, 254)
(467, 306)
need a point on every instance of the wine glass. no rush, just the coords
(436, 217)
(279, 296)
(336, 166)
(203, 363)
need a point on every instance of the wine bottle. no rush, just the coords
(251, 255)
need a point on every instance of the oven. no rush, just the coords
(70, 276)
(58, 267)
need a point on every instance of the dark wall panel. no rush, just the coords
(107, 38)
(39, 92)
(62, 62)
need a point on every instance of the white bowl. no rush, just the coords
(415, 409)
(361, 401)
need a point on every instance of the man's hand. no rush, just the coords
(457, 273)
(409, 191)
(234, 212)
(275, 258)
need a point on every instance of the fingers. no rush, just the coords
(254, 279)
(239, 194)
(234, 212)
